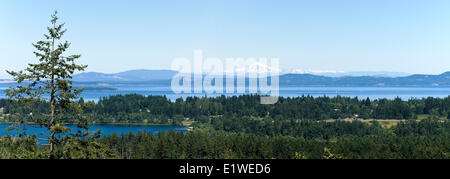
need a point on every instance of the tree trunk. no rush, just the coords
(52, 117)
(52, 102)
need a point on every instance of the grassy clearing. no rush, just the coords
(187, 123)
(388, 124)
(385, 123)
(424, 116)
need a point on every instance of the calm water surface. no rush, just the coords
(361, 92)
(106, 129)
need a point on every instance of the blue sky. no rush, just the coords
(345, 35)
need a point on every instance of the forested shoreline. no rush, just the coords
(241, 128)
(159, 110)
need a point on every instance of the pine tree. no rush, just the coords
(50, 78)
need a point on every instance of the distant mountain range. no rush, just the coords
(163, 78)
(131, 76)
(360, 73)
(442, 80)
(147, 76)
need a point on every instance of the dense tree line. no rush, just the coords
(326, 130)
(303, 107)
(129, 109)
(197, 145)
(201, 145)
(429, 138)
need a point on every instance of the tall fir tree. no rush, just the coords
(50, 79)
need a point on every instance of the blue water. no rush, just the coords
(42, 133)
(361, 92)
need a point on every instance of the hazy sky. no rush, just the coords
(345, 35)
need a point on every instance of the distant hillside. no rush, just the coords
(364, 73)
(133, 75)
(408, 81)
(163, 77)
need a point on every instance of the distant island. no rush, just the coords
(163, 78)
(103, 81)
(99, 89)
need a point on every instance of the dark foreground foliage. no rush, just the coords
(426, 139)
(247, 146)
(197, 145)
